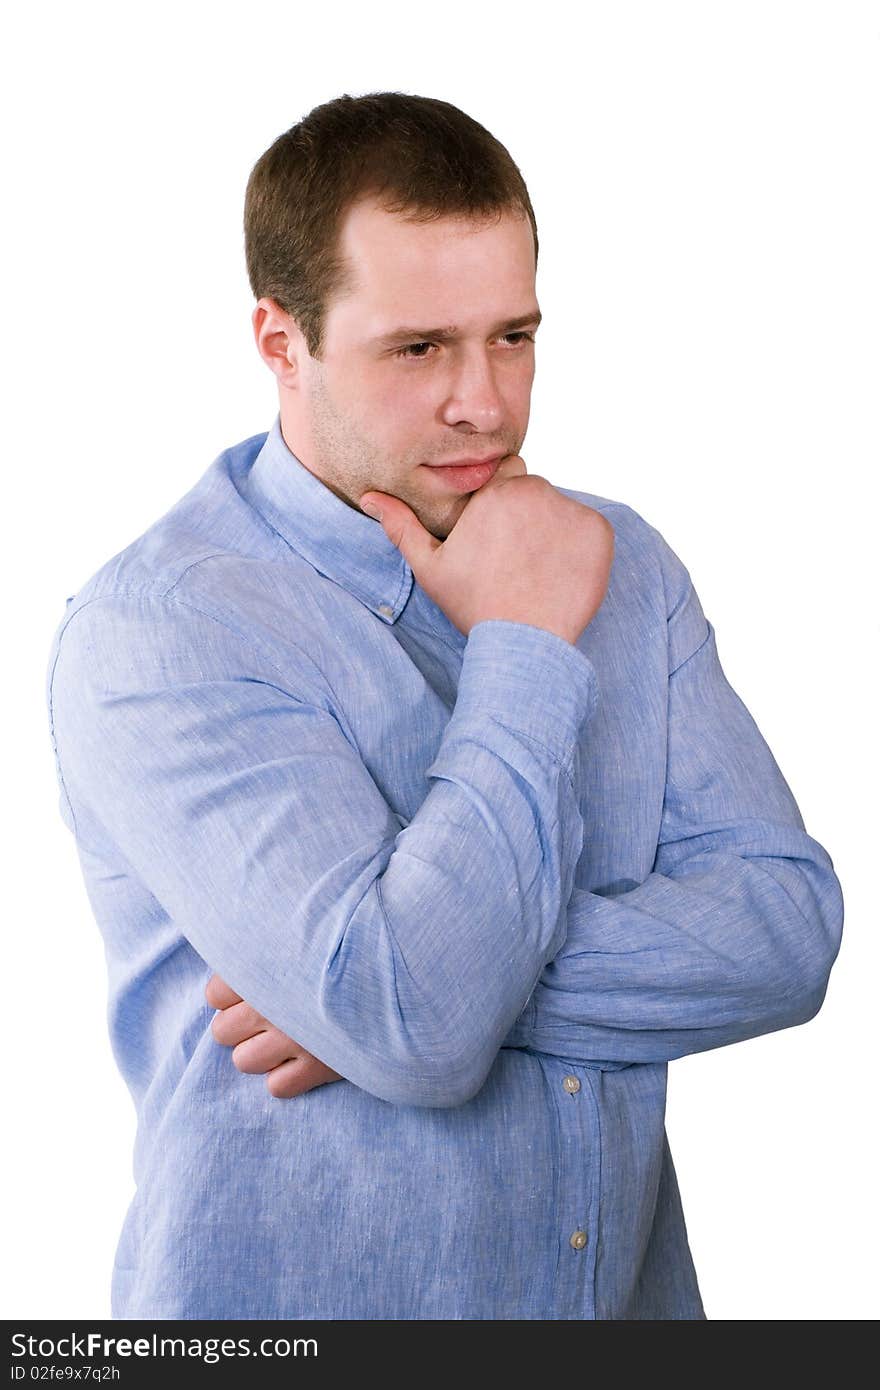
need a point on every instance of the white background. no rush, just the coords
(705, 183)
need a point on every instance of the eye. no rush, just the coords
(411, 351)
(418, 352)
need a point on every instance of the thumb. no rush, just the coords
(402, 527)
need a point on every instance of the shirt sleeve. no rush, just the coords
(734, 932)
(398, 954)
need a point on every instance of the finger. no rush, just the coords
(295, 1077)
(237, 1023)
(511, 466)
(264, 1051)
(403, 529)
(286, 1080)
(219, 994)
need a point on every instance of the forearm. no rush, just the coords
(735, 931)
(734, 944)
(444, 930)
(399, 957)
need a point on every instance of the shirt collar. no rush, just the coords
(339, 542)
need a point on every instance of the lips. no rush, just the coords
(465, 476)
(468, 463)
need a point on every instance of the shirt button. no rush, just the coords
(578, 1239)
(572, 1085)
(386, 610)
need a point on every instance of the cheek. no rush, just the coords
(518, 395)
(403, 407)
(522, 377)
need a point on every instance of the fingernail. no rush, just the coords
(371, 510)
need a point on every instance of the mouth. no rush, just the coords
(465, 475)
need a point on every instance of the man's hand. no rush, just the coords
(521, 550)
(258, 1046)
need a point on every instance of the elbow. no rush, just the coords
(794, 987)
(426, 1087)
(431, 1078)
(444, 1094)
(825, 939)
(439, 1077)
(425, 1051)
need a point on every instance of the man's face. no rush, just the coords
(390, 397)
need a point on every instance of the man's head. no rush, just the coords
(369, 226)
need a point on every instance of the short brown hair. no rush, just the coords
(420, 156)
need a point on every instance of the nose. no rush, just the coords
(474, 397)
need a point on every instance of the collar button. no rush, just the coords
(386, 610)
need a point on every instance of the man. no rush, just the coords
(425, 774)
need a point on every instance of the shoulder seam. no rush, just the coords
(57, 756)
(168, 596)
(193, 565)
(698, 648)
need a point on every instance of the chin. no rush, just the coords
(440, 529)
(438, 525)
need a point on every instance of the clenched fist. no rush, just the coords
(521, 550)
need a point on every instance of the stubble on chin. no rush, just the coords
(439, 520)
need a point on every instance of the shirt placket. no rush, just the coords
(577, 1188)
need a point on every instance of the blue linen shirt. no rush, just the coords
(497, 882)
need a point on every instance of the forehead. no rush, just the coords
(448, 265)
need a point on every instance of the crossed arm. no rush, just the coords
(409, 957)
(732, 935)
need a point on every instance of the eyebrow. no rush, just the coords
(418, 335)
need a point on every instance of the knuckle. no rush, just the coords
(533, 482)
(521, 495)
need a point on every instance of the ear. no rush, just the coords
(280, 342)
